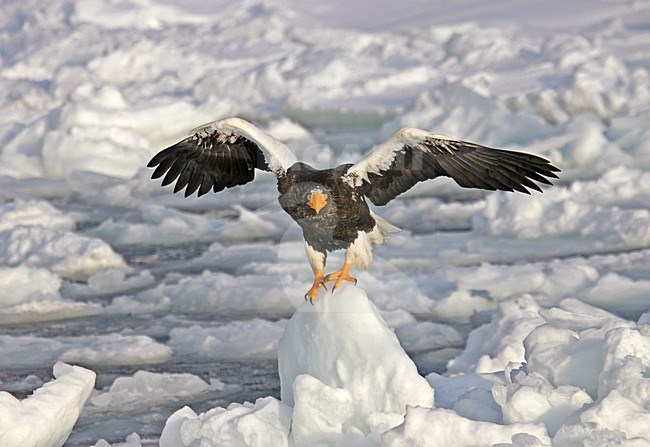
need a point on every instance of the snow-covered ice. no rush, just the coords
(109, 349)
(45, 418)
(528, 316)
(154, 387)
(334, 357)
(345, 380)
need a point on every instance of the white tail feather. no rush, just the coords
(384, 230)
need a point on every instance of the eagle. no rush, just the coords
(330, 205)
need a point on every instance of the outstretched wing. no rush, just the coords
(412, 155)
(219, 155)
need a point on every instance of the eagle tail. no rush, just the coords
(383, 230)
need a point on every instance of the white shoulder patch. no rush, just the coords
(277, 154)
(382, 156)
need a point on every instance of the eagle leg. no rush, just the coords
(340, 276)
(312, 293)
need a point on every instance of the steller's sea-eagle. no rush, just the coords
(330, 204)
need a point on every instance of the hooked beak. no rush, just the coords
(317, 201)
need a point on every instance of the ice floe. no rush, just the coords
(528, 314)
(45, 418)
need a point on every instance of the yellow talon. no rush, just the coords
(312, 293)
(340, 276)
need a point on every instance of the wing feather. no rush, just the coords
(504, 177)
(195, 181)
(220, 155)
(222, 167)
(174, 171)
(412, 155)
(184, 178)
(206, 184)
(163, 167)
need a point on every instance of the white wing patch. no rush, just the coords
(410, 156)
(277, 154)
(381, 158)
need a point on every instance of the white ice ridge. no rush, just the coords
(342, 368)
(46, 418)
(345, 381)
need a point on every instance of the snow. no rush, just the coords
(67, 254)
(154, 387)
(444, 427)
(341, 350)
(33, 212)
(492, 347)
(240, 425)
(531, 398)
(579, 210)
(97, 350)
(528, 316)
(45, 419)
(133, 440)
(332, 358)
(32, 294)
(255, 338)
(581, 381)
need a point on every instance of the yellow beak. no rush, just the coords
(317, 201)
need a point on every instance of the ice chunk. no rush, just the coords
(47, 310)
(437, 427)
(614, 419)
(110, 349)
(25, 384)
(107, 150)
(33, 212)
(531, 398)
(564, 358)
(450, 389)
(352, 355)
(21, 284)
(584, 347)
(250, 339)
(30, 295)
(116, 349)
(154, 387)
(160, 226)
(65, 253)
(215, 292)
(45, 419)
(425, 335)
(493, 346)
(626, 362)
(568, 350)
(620, 295)
(478, 404)
(133, 440)
(108, 282)
(459, 306)
(266, 423)
(584, 210)
(341, 369)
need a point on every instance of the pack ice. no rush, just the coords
(524, 319)
(570, 375)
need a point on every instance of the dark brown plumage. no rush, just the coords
(330, 205)
(470, 165)
(208, 161)
(335, 226)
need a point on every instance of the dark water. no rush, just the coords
(244, 380)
